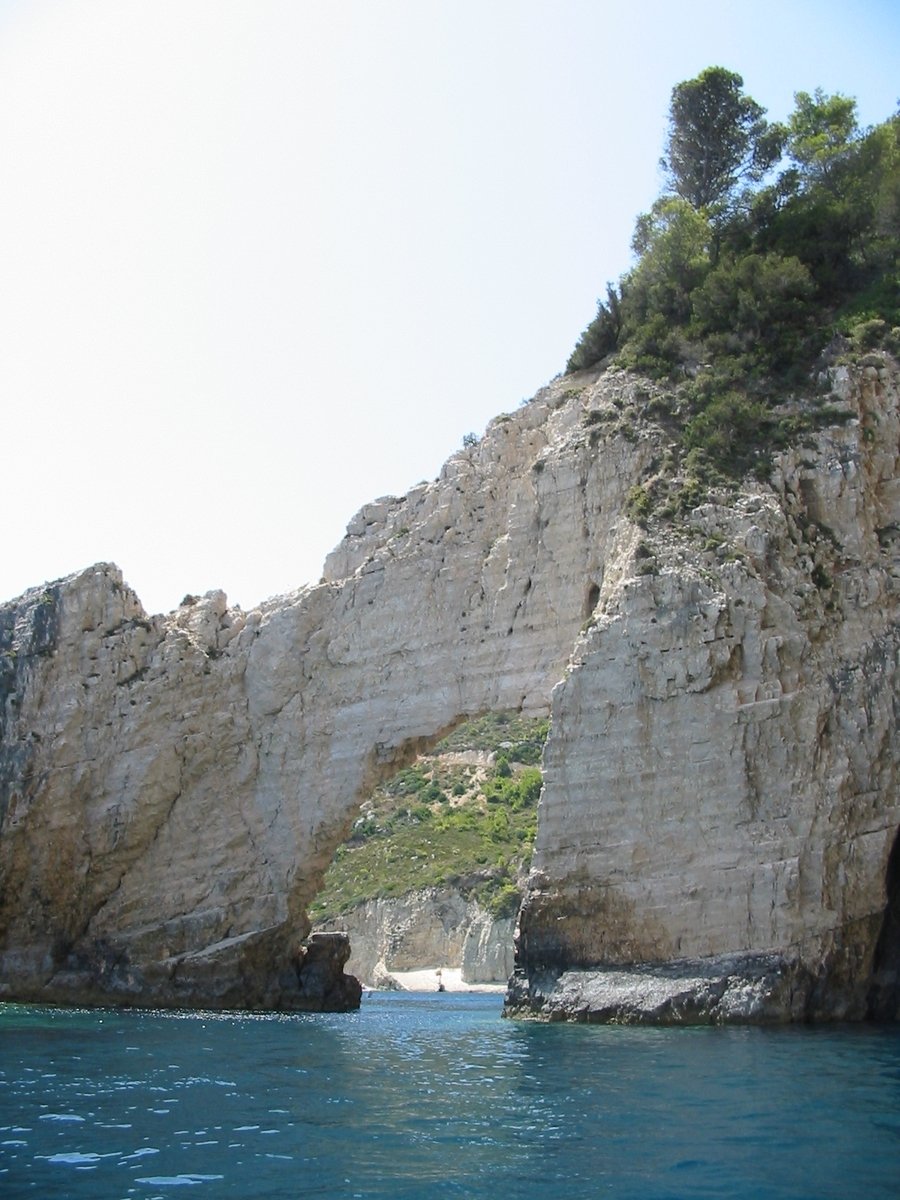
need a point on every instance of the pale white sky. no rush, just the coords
(263, 261)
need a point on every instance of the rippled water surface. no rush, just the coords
(417, 1096)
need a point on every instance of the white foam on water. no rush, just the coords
(74, 1158)
(178, 1180)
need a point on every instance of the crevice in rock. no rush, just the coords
(883, 1001)
(592, 599)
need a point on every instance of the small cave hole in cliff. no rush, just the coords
(884, 991)
(432, 872)
(591, 600)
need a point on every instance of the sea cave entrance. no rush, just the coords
(431, 875)
(884, 991)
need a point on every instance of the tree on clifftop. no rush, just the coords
(717, 137)
(739, 280)
(822, 135)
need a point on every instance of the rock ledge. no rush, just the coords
(730, 989)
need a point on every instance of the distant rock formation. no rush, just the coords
(721, 772)
(434, 926)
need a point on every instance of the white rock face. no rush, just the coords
(721, 775)
(721, 769)
(488, 950)
(437, 926)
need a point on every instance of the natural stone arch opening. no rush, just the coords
(884, 990)
(432, 868)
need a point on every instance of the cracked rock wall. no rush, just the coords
(173, 788)
(721, 779)
(720, 774)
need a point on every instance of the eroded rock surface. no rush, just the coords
(718, 990)
(720, 777)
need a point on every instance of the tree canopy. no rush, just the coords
(822, 132)
(767, 241)
(718, 136)
(745, 266)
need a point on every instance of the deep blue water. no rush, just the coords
(423, 1096)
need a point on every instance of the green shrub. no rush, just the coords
(528, 788)
(504, 901)
(728, 432)
(639, 504)
(601, 337)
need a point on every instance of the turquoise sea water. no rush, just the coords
(435, 1095)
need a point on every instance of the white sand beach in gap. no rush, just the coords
(427, 979)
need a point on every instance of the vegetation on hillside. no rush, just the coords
(769, 243)
(463, 816)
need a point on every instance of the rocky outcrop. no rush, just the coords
(322, 983)
(720, 777)
(717, 990)
(175, 787)
(434, 927)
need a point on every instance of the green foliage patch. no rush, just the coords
(445, 822)
(520, 738)
(745, 273)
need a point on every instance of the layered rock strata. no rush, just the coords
(173, 788)
(720, 778)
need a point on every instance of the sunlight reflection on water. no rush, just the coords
(417, 1092)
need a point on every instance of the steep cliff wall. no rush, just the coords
(721, 777)
(721, 770)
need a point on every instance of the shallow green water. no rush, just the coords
(417, 1095)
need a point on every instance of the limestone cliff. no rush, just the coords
(720, 779)
(435, 927)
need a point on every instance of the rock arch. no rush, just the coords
(195, 772)
(720, 778)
